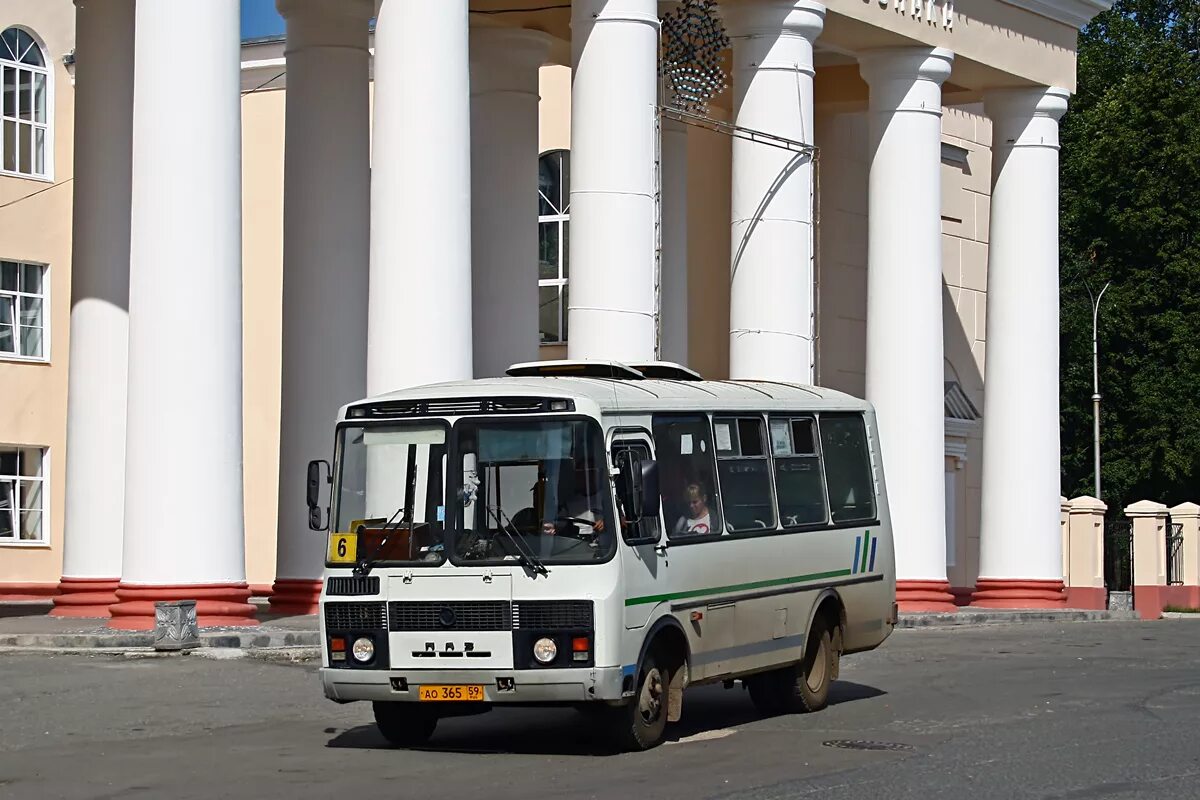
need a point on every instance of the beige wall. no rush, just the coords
(33, 396)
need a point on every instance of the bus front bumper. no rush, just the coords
(528, 686)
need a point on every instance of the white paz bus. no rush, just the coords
(600, 536)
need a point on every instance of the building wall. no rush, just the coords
(33, 396)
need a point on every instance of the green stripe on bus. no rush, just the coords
(738, 587)
(866, 549)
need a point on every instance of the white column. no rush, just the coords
(184, 531)
(673, 294)
(904, 310)
(504, 200)
(614, 101)
(771, 294)
(95, 507)
(419, 318)
(326, 235)
(1020, 561)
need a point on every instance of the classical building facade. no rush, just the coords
(209, 244)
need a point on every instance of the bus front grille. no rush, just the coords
(355, 616)
(552, 614)
(352, 586)
(450, 615)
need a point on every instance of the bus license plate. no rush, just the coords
(438, 693)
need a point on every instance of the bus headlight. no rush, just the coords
(363, 650)
(545, 650)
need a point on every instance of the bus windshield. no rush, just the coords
(531, 488)
(394, 472)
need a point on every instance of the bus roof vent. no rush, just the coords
(575, 369)
(667, 371)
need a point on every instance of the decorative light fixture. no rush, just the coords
(692, 60)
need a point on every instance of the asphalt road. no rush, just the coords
(1060, 712)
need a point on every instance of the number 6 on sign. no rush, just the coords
(343, 548)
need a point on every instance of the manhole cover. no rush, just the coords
(862, 744)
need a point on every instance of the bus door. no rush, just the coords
(642, 562)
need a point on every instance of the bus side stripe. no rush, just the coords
(857, 552)
(866, 541)
(874, 542)
(661, 598)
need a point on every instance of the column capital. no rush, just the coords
(905, 64)
(1025, 102)
(1146, 508)
(326, 23)
(506, 59)
(804, 18)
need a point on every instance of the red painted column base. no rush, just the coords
(85, 597)
(223, 605)
(925, 596)
(1018, 593)
(25, 592)
(296, 596)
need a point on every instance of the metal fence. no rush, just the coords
(1174, 553)
(1118, 555)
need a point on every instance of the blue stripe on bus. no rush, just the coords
(857, 549)
(873, 543)
(628, 670)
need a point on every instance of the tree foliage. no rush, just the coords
(1131, 215)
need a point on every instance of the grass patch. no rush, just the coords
(1181, 609)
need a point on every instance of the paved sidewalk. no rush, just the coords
(26, 627)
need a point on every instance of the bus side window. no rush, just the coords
(847, 467)
(687, 475)
(745, 473)
(798, 479)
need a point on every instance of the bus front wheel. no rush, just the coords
(802, 687)
(402, 725)
(640, 724)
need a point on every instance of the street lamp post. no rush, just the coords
(1096, 383)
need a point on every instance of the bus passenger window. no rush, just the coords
(798, 481)
(847, 467)
(686, 475)
(745, 473)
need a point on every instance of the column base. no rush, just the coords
(1088, 597)
(294, 596)
(27, 592)
(85, 597)
(218, 605)
(924, 596)
(1018, 593)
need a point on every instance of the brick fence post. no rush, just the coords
(1085, 584)
(1149, 557)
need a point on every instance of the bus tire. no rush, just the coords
(641, 723)
(402, 725)
(800, 688)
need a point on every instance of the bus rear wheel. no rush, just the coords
(402, 725)
(802, 687)
(640, 724)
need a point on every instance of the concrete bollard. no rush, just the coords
(175, 625)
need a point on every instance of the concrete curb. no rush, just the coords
(250, 639)
(1180, 615)
(975, 617)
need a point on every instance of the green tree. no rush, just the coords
(1131, 215)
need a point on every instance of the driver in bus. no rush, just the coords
(583, 509)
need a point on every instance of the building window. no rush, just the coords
(554, 214)
(22, 495)
(24, 111)
(23, 310)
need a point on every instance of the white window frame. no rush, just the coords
(44, 479)
(562, 220)
(44, 358)
(47, 127)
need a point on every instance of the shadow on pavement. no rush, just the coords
(565, 731)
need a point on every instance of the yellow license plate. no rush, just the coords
(343, 548)
(440, 693)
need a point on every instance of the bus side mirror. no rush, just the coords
(638, 486)
(648, 478)
(318, 473)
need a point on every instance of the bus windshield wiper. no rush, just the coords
(410, 491)
(526, 554)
